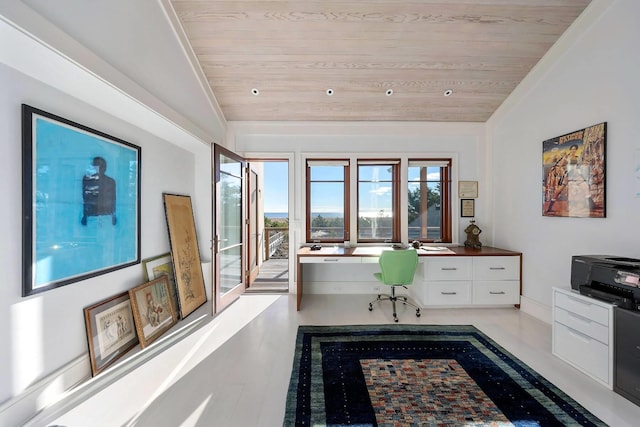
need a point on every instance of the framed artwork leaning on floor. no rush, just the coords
(111, 331)
(185, 253)
(153, 310)
(159, 266)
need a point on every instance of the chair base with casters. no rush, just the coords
(393, 298)
(397, 268)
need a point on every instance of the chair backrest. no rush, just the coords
(398, 266)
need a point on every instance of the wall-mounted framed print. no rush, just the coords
(80, 202)
(111, 331)
(162, 265)
(153, 310)
(467, 189)
(467, 208)
(573, 174)
(185, 253)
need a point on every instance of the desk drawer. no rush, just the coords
(496, 268)
(330, 260)
(583, 352)
(448, 293)
(448, 268)
(582, 306)
(581, 324)
(496, 293)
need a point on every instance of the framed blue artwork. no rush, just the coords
(80, 203)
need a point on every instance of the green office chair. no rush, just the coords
(397, 269)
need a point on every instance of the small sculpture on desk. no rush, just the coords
(473, 235)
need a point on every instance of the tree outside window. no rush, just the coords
(428, 201)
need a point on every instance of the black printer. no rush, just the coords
(609, 278)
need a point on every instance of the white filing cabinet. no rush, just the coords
(583, 334)
(470, 280)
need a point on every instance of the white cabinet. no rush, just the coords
(496, 280)
(470, 280)
(583, 334)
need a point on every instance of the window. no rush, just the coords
(378, 218)
(429, 207)
(327, 200)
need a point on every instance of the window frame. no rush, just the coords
(310, 162)
(395, 165)
(446, 219)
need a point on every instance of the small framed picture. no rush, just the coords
(162, 265)
(153, 311)
(467, 208)
(111, 331)
(468, 189)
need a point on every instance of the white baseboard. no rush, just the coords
(536, 309)
(17, 410)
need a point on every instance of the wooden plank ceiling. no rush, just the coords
(293, 52)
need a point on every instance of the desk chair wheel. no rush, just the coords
(405, 302)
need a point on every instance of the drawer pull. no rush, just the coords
(497, 293)
(579, 301)
(331, 260)
(579, 335)
(579, 318)
(497, 268)
(448, 268)
(449, 293)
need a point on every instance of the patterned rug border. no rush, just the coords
(495, 350)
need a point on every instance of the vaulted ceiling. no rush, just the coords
(421, 60)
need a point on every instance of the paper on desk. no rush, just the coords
(433, 248)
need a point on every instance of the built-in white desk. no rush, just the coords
(453, 276)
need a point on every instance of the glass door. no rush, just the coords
(229, 227)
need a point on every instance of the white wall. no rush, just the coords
(46, 332)
(589, 77)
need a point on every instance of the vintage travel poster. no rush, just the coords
(573, 178)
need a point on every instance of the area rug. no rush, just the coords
(414, 375)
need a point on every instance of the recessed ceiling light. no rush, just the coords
(255, 91)
(389, 92)
(448, 92)
(329, 92)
